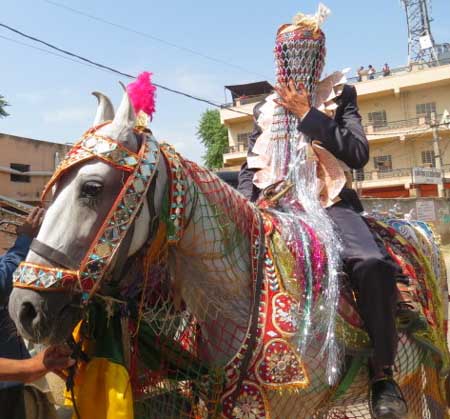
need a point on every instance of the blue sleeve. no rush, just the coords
(9, 262)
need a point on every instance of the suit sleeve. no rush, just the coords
(9, 262)
(245, 177)
(344, 136)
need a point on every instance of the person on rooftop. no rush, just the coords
(360, 73)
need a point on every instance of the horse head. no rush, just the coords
(44, 305)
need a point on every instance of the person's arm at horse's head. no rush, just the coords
(16, 254)
(53, 359)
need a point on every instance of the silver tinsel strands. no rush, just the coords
(300, 56)
(303, 175)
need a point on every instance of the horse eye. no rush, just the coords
(91, 189)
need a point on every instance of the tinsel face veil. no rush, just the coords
(300, 57)
(284, 154)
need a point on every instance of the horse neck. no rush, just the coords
(212, 261)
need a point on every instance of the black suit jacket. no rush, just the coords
(343, 136)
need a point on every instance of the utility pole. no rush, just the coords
(437, 152)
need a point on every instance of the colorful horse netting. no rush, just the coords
(184, 365)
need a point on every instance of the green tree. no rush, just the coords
(3, 104)
(214, 136)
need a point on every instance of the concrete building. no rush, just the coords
(401, 114)
(238, 118)
(26, 165)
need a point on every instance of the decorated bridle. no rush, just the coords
(141, 167)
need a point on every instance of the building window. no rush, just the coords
(378, 119)
(428, 159)
(425, 109)
(242, 140)
(20, 168)
(383, 163)
(358, 174)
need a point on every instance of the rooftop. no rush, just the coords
(250, 89)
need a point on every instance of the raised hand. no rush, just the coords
(295, 101)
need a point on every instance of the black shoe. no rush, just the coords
(386, 400)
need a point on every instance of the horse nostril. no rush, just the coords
(27, 313)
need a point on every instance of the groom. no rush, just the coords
(372, 273)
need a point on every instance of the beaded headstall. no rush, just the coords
(141, 167)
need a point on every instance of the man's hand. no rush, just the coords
(53, 359)
(295, 101)
(32, 223)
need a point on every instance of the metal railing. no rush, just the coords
(239, 148)
(386, 174)
(418, 121)
(390, 125)
(394, 173)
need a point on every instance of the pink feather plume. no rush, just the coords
(142, 94)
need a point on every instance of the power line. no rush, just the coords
(111, 69)
(152, 37)
(47, 51)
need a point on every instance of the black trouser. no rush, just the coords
(373, 275)
(12, 403)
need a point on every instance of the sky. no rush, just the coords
(50, 96)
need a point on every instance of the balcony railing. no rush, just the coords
(391, 174)
(397, 124)
(395, 71)
(378, 174)
(239, 148)
(418, 121)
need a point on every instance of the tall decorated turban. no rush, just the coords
(300, 50)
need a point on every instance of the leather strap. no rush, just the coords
(125, 246)
(122, 257)
(53, 255)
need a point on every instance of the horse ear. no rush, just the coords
(125, 116)
(105, 109)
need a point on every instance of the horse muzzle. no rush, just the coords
(43, 320)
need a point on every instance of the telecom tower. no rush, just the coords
(421, 46)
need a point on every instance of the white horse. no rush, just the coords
(211, 273)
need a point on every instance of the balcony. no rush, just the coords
(375, 175)
(388, 129)
(235, 155)
(394, 177)
(241, 108)
(397, 128)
